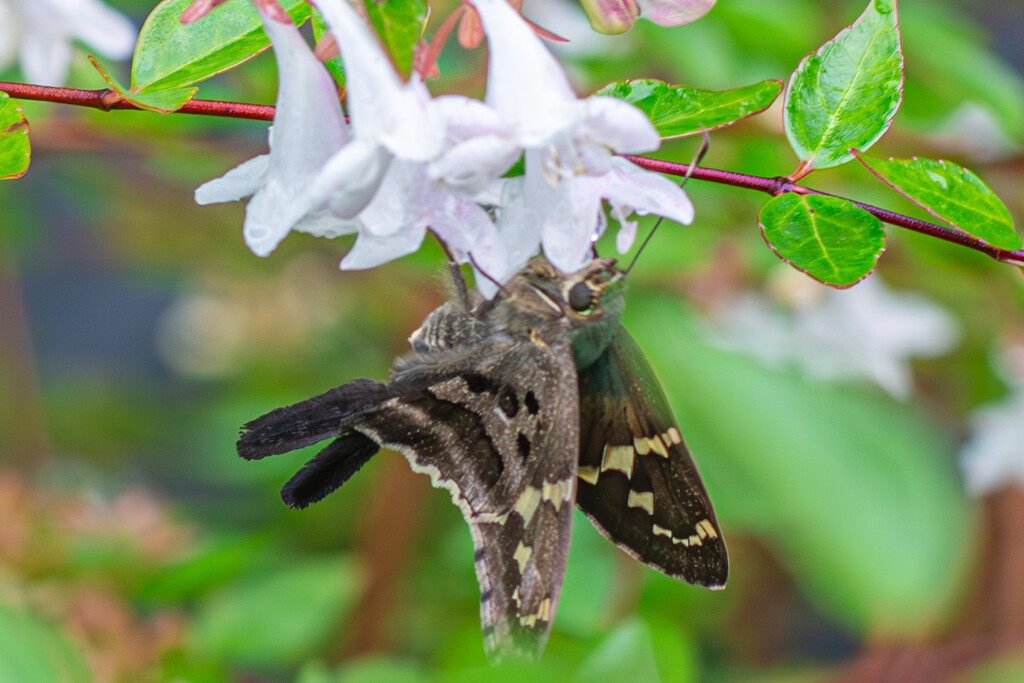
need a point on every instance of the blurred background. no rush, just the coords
(864, 448)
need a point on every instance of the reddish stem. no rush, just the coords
(106, 99)
(780, 185)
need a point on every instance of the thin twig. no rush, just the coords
(780, 185)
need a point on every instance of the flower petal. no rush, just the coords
(469, 166)
(400, 116)
(309, 126)
(618, 125)
(526, 85)
(674, 12)
(372, 250)
(629, 185)
(241, 181)
(107, 31)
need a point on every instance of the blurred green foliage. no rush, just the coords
(136, 545)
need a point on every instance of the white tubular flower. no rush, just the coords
(41, 33)
(388, 118)
(993, 457)
(308, 129)
(569, 145)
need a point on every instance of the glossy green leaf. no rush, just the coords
(170, 55)
(678, 110)
(32, 651)
(844, 95)
(15, 150)
(399, 24)
(277, 618)
(952, 194)
(829, 238)
(857, 491)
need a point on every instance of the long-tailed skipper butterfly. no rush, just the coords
(521, 406)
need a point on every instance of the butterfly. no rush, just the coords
(522, 407)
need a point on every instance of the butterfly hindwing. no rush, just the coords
(502, 438)
(637, 481)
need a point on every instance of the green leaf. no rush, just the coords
(829, 238)
(952, 194)
(844, 95)
(277, 618)
(399, 24)
(857, 491)
(590, 572)
(678, 110)
(169, 55)
(32, 651)
(162, 101)
(626, 654)
(15, 150)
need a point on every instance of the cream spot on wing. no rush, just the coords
(673, 436)
(557, 492)
(658, 446)
(543, 614)
(588, 474)
(642, 445)
(706, 529)
(527, 504)
(641, 499)
(522, 556)
(681, 541)
(618, 458)
(661, 531)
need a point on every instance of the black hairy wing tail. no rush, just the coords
(637, 481)
(501, 436)
(310, 421)
(331, 468)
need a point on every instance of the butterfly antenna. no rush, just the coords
(458, 279)
(689, 172)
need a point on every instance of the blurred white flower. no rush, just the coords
(866, 331)
(569, 148)
(992, 458)
(40, 33)
(674, 12)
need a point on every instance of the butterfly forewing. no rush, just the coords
(637, 481)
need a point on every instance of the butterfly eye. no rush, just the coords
(581, 297)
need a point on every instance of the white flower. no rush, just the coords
(319, 176)
(308, 129)
(993, 457)
(41, 33)
(408, 202)
(569, 146)
(866, 331)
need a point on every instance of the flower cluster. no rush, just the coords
(406, 162)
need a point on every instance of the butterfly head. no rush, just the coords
(585, 304)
